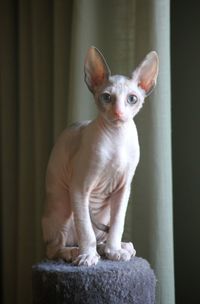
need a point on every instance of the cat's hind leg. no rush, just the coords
(58, 251)
(60, 239)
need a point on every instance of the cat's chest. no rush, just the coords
(109, 181)
(117, 170)
(118, 157)
(118, 163)
(115, 166)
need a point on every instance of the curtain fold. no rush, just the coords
(43, 45)
(9, 149)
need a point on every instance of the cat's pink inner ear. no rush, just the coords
(96, 69)
(98, 80)
(147, 86)
(147, 72)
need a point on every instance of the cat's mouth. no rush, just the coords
(118, 121)
(114, 121)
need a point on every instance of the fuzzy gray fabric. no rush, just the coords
(106, 283)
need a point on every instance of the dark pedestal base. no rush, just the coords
(106, 283)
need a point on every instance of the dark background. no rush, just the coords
(185, 55)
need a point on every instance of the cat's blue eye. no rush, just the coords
(106, 97)
(132, 99)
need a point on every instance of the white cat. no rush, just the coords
(92, 165)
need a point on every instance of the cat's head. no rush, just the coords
(119, 98)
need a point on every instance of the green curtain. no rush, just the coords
(42, 50)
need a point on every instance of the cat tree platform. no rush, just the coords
(108, 282)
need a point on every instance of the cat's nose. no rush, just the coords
(118, 113)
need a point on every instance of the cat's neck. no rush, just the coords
(111, 129)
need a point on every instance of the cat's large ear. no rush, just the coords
(146, 73)
(96, 69)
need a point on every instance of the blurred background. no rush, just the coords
(42, 50)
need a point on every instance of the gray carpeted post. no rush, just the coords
(106, 283)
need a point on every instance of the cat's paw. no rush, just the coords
(68, 254)
(101, 248)
(117, 254)
(129, 247)
(89, 259)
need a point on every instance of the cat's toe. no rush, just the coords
(86, 260)
(117, 255)
(129, 247)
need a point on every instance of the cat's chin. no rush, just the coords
(114, 122)
(118, 122)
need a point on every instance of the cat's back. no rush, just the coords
(67, 144)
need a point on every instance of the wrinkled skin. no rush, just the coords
(92, 165)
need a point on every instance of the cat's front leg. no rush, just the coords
(86, 238)
(114, 248)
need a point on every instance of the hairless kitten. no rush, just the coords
(91, 167)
